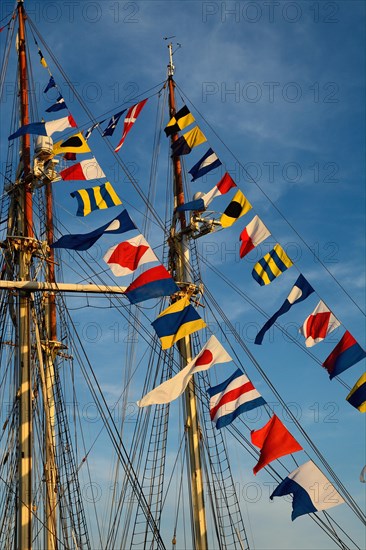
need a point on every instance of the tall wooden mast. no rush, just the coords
(24, 356)
(179, 253)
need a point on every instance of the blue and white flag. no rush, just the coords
(92, 128)
(208, 162)
(299, 292)
(58, 106)
(51, 84)
(120, 224)
(45, 128)
(310, 488)
(233, 397)
(113, 123)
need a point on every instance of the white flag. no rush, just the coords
(212, 352)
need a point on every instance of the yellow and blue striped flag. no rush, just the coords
(177, 321)
(95, 198)
(357, 395)
(271, 265)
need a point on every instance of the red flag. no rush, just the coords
(70, 156)
(274, 441)
(132, 114)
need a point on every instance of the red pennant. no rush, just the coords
(274, 441)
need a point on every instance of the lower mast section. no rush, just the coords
(24, 359)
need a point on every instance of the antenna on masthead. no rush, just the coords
(171, 67)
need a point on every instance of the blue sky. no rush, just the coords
(282, 85)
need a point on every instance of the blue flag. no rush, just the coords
(299, 292)
(196, 205)
(38, 128)
(51, 84)
(120, 224)
(113, 123)
(153, 283)
(178, 320)
(208, 162)
(58, 106)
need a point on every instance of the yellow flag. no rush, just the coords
(237, 208)
(73, 144)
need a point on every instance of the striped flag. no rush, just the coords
(271, 265)
(318, 325)
(130, 119)
(231, 398)
(208, 162)
(153, 283)
(357, 395)
(124, 258)
(99, 197)
(252, 235)
(176, 321)
(346, 354)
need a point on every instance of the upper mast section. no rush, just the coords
(171, 67)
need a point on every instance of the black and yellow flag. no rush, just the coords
(237, 208)
(73, 144)
(181, 120)
(186, 142)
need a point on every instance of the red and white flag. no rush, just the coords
(318, 325)
(252, 235)
(211, 353)
(126, 257)
(60, 124)
(225, 184)
(130, 119)
(84, 170)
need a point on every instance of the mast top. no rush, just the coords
(171, 67)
